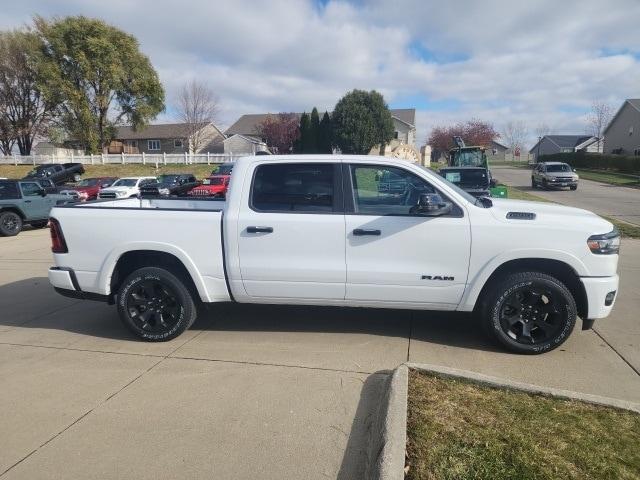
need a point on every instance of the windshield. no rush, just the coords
(560, 167)
(125, 182)
(224, 169)
(468, 178)
(88, 182)
(168, 178)
(213, 181)
(467, 196)
(468, 158)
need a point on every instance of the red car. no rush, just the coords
(214, 186)
(88, 188)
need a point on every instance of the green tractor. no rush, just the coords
(469, 169)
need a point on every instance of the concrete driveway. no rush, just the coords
(250, 391)
(602, 198)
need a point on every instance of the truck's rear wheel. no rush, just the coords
(155, 304)
(529, 312)
(10, 224)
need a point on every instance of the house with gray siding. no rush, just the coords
(622, 135)
(550, 144)
(244, 145)
(168, 138)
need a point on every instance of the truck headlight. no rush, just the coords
(606, 243)
(552, 179)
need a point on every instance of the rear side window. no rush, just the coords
(9, 191)
(293, 188)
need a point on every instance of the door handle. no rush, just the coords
(259, 229)
(27, 201)
(363, 231)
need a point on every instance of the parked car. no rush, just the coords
(223, 169)
(125, 187)
(170, 184)
(554, 175)
(57, 173)
(24, 202)
(214, 186)
(317, 230)
(475, 180)
(88, 188)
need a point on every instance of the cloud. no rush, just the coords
(542, 61)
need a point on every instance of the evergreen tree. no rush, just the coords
(325, 141)
(305, 127)
(314, 131)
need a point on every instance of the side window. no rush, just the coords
(30, 189)
(382, 190)
(293, 187)
(9, 191)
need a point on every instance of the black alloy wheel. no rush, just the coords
(10, 224)
(529, 312)
(155, 304)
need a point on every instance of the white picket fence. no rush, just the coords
(123, 159)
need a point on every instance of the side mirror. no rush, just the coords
(42, 192)
(105, 185)
(492, 183)
(573, 169)
(431, 205)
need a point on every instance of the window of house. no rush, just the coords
(153, 144)
(566, 150)
(133, 143)
(395, 134)
(177, 143)
(631, 130)
(293, 188)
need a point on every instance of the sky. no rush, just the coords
(537, 61)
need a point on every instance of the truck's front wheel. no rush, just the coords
(529, 312)
(155, 304)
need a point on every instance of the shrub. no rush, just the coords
(596, 161)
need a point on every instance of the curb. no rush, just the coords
(388, 433)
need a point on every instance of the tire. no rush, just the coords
(573, 187)
(155, 305)
(533, 184)
(10, 224)
(511, 312)
(40, 224)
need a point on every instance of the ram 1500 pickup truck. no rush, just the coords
(320, 230)
(57, 173)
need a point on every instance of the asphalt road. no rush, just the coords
(601, 198)
(267, 392)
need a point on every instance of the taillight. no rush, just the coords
(58, 245)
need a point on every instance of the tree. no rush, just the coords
(474, 132)
(542, 130)
(98, 77)
(305, 131)
(361, 120)
(515, 134)
(598, 119)
(24, 112)
(314, 131)
(197, 106)
(280, 132)
(324, 135)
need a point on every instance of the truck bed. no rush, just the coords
(97, 239)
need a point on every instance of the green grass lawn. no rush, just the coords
(460, 430)
(116, 170)
(612, 178)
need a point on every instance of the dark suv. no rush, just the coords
(178, 184)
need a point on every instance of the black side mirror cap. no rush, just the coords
(431, 205)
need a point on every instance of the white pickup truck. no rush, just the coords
(357, 231)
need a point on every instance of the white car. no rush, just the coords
(125, 187)
(324, 230)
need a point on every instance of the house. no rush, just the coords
(56, 149)
(241, 144)
(565, 143)
(497, 148)
(404, 123)
(168, 138)
(622, 135)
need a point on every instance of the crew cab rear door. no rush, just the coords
(291, 231)
(394, 256)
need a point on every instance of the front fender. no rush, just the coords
(478, 279)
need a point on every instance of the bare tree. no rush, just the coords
(598, 119)
(515, 134)
(542, 129)
(197, 106)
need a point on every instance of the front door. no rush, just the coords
(394, 256)
(291, 235)
(36, 207)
